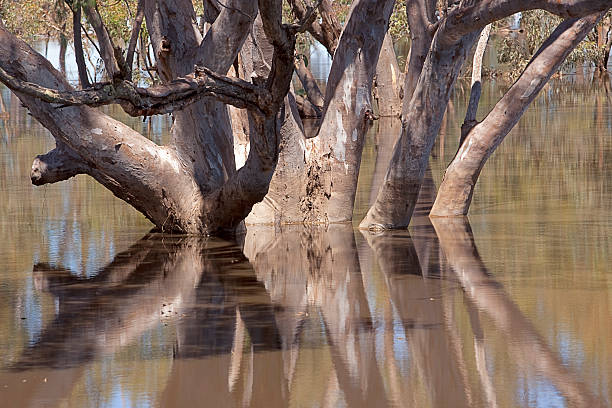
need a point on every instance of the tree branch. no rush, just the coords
(475, 15)
(59, 164)
(472, 109)
(327, 32)
(78, 47)
(107, 48)
(159, 99)
(136, 25)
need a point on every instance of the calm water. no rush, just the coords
(513, 308)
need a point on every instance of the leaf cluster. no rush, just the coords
(518, 46)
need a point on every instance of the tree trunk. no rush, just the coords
(476, 90)
(62, 51)
(388, 82)
(398, 194)
(315, 179)
(421, 17)
(78, 47)
(457, 188)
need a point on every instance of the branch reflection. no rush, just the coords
(314, 317)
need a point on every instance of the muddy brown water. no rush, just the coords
(509, 308)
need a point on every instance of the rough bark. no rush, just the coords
(336, 156)
(315, 180)
(457, 188)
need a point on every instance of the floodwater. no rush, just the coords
(511, 308)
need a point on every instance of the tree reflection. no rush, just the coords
(316, 317)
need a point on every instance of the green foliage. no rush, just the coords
(34, 18)
(515, 50)
(117, 17)
(398, 25)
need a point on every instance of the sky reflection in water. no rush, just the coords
(512, 310)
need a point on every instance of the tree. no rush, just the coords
(194, 184)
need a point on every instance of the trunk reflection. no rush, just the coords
(290, 318)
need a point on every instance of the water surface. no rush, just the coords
(510, 308)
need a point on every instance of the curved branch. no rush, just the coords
(476, 15)
(455, 194)
(160, 99)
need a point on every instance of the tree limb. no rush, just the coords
(136, 25)
(107, 48)
(78, 47)
(475, 15)
(327, 32)
(159, 99)
(472, 109)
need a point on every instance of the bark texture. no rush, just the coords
(315, 180)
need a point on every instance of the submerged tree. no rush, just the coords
(238, 143)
